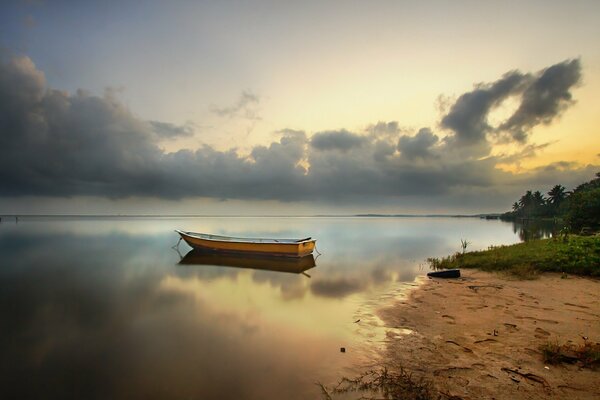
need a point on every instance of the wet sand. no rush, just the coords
(478, 337)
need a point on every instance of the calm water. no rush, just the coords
(101, 308)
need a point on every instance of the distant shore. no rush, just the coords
(479, 337)
(12, 215)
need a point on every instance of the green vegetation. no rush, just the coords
(579, 209)
(587, 354)
(568, 254)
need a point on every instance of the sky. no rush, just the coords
(300, 108)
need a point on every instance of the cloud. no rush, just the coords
(568, 173)
(544, 99)
(419, 145)
(165, 130)
(62, 144)
(384, 129)
(245, 107)
(289, 132)
(467, 117)
(529, 151)
(54, 143)
(337, 140)
(21, 85)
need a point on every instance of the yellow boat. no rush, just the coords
(228, 244)
(296, 265)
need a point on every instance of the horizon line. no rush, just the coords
(361, 215)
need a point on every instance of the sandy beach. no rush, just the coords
(479, 337)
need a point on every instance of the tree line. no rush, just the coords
(578, 209)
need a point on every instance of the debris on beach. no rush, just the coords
(447, 273)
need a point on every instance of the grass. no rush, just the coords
(578, 255)
(587, 354)
(523, 272)
(384, 385)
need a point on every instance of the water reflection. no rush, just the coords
(105, 318)
(535, 229)
(260, 262)
(101, 308)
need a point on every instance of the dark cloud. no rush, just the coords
(544, 99)
(383, 149)
(541, 96)
(59, 144)
(467, 117)
(62, 144)
(337, 140)
(419, 145)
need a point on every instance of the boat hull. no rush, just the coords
(270, 248)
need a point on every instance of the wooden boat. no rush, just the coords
(294, 265)
(228, 244)
(445, 273)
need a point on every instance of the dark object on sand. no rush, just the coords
(446, 273)
(342, 349)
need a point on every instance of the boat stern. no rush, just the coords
(306, 247)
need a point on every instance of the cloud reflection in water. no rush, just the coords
(111, 314)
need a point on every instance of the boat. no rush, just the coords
(445, 273)
(228, 244)
(296, 265)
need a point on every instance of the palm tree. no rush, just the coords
(516, 206)
(526, 200)
(526, 204)
(538, 199)
(539, 202)
(556, 195)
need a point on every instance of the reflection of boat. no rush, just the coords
(281, 264)
(273, 247)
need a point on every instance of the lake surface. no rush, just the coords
(100, 308)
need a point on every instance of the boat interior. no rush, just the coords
(220, 238)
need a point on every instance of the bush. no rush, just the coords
(569, 254)
(583, 210)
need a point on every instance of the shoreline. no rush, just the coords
(479, 336)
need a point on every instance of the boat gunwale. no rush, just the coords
(215, 238)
